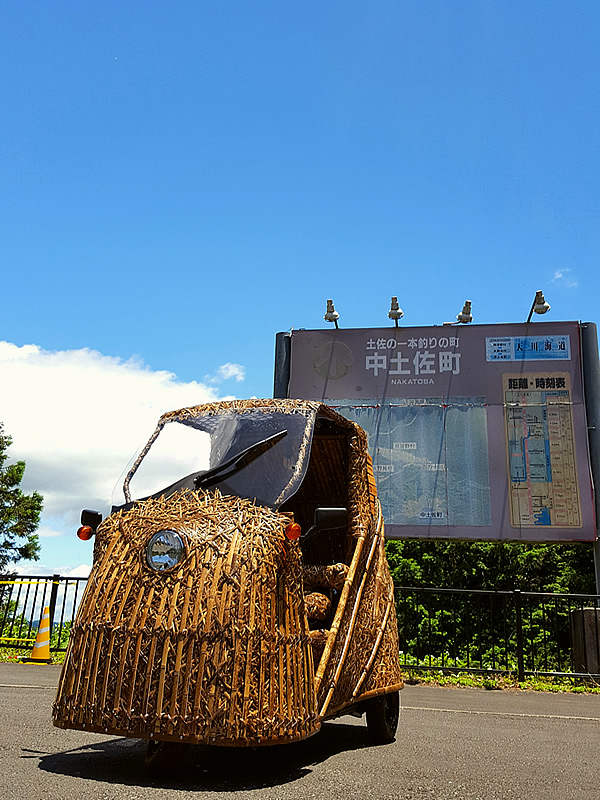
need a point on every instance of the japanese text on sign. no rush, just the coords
(528, 348)
(550, 382)
(423, 363)
(423, 356)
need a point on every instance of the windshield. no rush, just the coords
(252, 453)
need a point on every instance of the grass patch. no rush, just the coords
(13, 655)
(502, 682)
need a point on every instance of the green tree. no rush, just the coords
(19, 512)
(492, 565)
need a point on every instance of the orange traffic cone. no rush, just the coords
(41, 649)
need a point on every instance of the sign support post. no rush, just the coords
(591, 386)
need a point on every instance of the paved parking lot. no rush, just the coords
(453, 743)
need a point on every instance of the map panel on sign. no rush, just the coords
(430, 458)
(542, 469)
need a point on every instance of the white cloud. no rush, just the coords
(227, 371)
(82, 571)
(562, 276)
(46, 532)
(77, 416)
(39, 570)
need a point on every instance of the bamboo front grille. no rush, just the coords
(216, 652)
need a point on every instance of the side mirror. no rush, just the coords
(91, 518)
(326, 519)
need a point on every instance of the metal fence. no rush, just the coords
(22, 602)
(523, 633)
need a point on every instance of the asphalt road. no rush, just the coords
(452, 743)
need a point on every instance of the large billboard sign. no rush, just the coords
(476, 432)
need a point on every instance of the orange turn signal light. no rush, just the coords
(85, 532)
(293, 531)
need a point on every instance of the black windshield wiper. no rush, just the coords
(238, 462)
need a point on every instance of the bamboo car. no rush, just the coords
(246, 602)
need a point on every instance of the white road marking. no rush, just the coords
(499, 713)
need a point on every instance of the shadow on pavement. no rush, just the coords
(222, 769)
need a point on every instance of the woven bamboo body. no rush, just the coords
(219, 649)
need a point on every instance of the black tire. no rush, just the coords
(382, 714)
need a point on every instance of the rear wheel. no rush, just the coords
(382, 715)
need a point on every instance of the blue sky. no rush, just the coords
(181, 180)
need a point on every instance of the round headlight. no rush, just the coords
(164, 550)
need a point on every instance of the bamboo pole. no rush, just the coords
(355, 610)
(235, 708)
(138, 648)
(179, 654)
(123, 660)
(380, 633)
(223, 611)
(339, 616)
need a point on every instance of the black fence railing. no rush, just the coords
(22, 602)
(523, 633)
